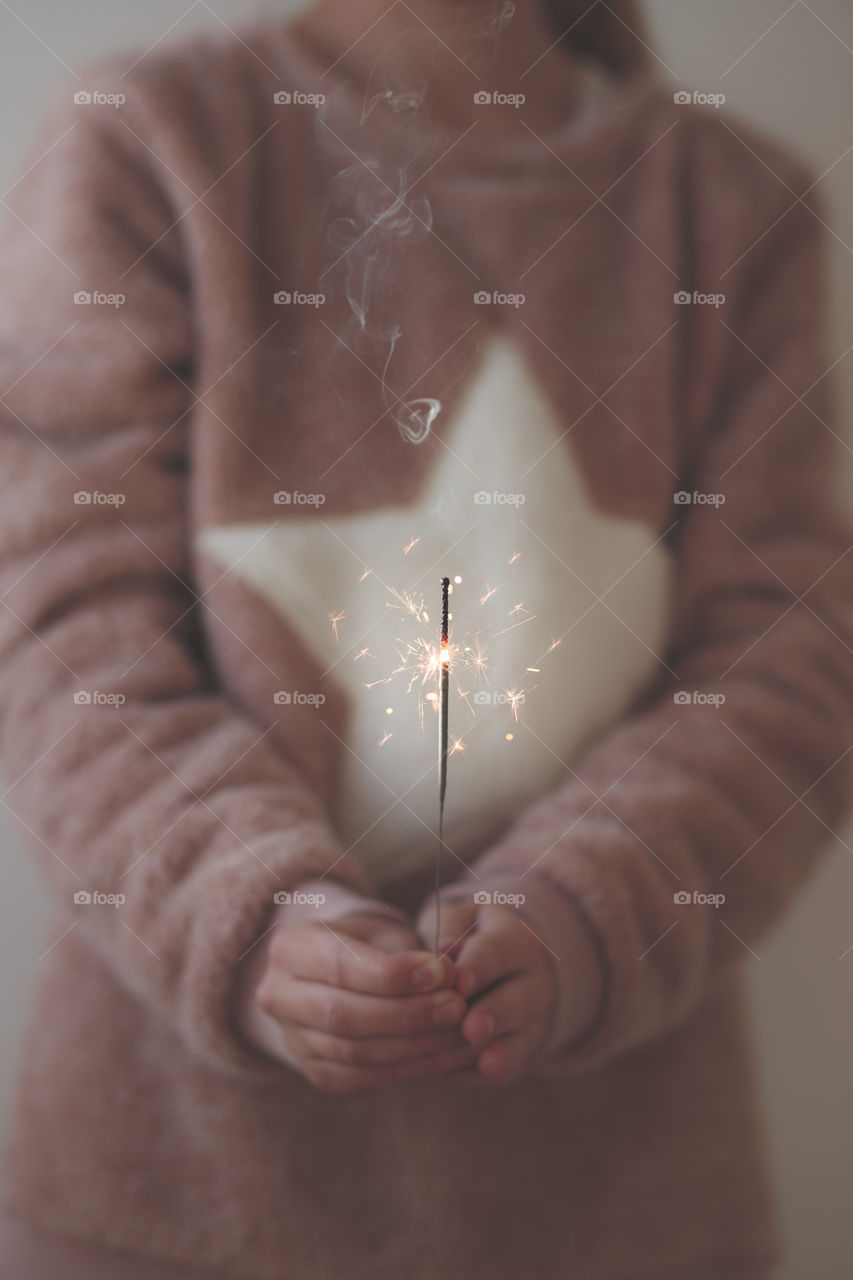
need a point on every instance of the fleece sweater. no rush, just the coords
(270, 365)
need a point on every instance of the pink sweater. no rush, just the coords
(196, 655)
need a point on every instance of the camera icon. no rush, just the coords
(483, 298)
(82, 898)
(682, 498)
(82, 98)
(681, 899)
(682, 698)
(682, 298)
(482, 98)
(282, 98)
(82, 698)
(681, 99)
(482, 898)
(82, 298)
(82, 498)
(482, 698)
(282, 299)
(282, 698)
(282, 498)
(281, 898)
(482, 499)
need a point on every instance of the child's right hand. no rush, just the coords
(355, 1003)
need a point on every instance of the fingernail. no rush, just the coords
(446, 1009)
(429, 974)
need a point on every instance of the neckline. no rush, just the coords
(596, 110)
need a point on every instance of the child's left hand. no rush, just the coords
(507, 977)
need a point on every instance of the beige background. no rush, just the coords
(789, 69)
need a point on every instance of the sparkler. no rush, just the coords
(443, 700)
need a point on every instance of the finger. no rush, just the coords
(506, 1008)
(319, 953)
(382, 1050)
(504, 1060)
(331, 1077)
(499, 947)
(352, 1014)
(456, 919)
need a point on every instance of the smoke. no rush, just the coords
(382, 221)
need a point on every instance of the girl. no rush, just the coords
(294, 321)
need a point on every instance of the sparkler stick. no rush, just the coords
(444, 697)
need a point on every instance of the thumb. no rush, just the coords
(456, 917)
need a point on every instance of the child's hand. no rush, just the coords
(354, 1003)
(531, 974)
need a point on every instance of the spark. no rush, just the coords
(366, 574)
(518, 608)
(554, 644)
(335, 618)
(490, 591)
(384, 739)
(364, 653)
(408, 548)
(513, 558)
(458, 745)
(509, 736)
(516, 624)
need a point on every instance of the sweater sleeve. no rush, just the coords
(136, 781)
(728, 777)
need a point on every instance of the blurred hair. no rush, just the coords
(610, 32)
